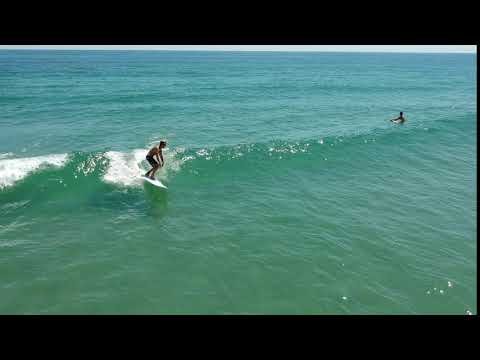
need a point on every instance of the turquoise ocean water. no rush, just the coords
(289, 191)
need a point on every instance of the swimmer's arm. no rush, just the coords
(161, 155)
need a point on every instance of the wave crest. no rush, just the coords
(126, 168)
(13, 170)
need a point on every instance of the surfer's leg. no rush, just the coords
(153, 163)
(154, 171)
(147, 174)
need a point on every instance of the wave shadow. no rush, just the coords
(157, 200)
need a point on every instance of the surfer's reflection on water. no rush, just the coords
(157, 200)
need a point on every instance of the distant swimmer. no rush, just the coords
(150, 158)
(399, 120)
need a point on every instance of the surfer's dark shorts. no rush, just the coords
(152, 161)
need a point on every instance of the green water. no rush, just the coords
(289, 191)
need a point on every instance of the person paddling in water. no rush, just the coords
(399, 120)
(150, 158)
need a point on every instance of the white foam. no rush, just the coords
(123, 168)
(172, 164)
(6, 155)
(202, 152)
(126, 168)
(187, 158)
(13, 170)
(89, 165)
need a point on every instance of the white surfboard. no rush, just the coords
(154, 182)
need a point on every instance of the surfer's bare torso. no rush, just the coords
(154, 151)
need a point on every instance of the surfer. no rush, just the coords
(399, 120)
(150, 158)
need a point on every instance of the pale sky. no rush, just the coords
(338, 48)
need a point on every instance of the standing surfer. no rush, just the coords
(150, 158)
